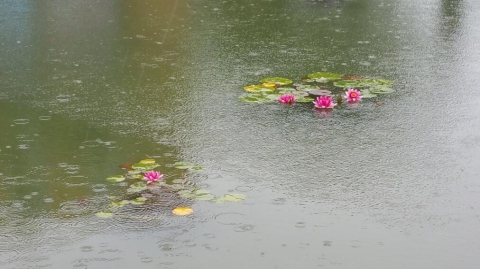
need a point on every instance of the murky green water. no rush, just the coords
(88, 85)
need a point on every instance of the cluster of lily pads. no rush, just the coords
(146, 182)
(320, 88)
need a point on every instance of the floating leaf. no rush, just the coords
(118, 178)
(119, 204)
(304, 100)
(184, 165)
(352, 77)
(186, 194)
(138, 201)
(205, 197)
(324, 76)
(104, 215)
(277, 80)
(137, 187)
(254, 98)
(234, 197)
(321, 92)
(182, 211)
(145, 166)
(363, 83)
(147, 161)
(269, 84)
(258, 88)
(307, 87)
(200, 192)
(284, 90)
(367, 94)
(381, 89)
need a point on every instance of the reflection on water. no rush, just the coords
(86, 86)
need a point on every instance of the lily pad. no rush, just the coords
(352, 77)
(147, 161)
(284, 90)
(277, 80)
(186, 194)
(321, 92)
(137, 187)
(119, 203)
(304, 100)
(234, 197)
(381, 89)
(324, 77)
(182, 211)
(205, 197)
(118, 178)
(138, 201)
(363, 83)
(104, 215)
(258, 88)
(145, 166)
(367, 94)
(307, 87)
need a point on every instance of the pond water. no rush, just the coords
(88, 85)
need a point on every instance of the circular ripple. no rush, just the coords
(75, 181)
(244, 188)
(230, 218)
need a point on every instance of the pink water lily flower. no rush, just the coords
(287, 99)
(324, 102)
(353, 95)
(152, 176)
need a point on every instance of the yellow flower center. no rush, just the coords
(353, 95)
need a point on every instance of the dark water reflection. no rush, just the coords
(88, 85)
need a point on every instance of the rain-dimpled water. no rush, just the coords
(88, 88)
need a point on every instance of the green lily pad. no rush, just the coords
(367, 94)
(185, 165)
(348, 84)
(138, 201)
(324, 77)
(147, 161)
(137, 187)
(258, 88)
(277, 80)
(320, 92)
(284, 90)
(381, 89)
(234, 197)
(104, 215)
(304, 100)
(119, 203)
(118, 178)
(145, 166)
(186, 194)
(307, 87)
(205, 197)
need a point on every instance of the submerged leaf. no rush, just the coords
(277, 80)
(307, 87)
(186, 194)
(182, 211)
